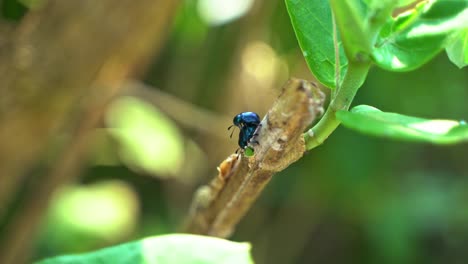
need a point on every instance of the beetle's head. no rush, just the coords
(237, 120)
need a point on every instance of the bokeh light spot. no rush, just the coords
(107, 209)
(218, 12)
(149, 140)
(260, 61)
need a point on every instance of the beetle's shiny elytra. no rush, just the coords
(247, 122)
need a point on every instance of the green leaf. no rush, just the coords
(312, 22)
(168, 249)
(370, 120)
(457, 51)
(350, 18)
(413, 38)
(359, 22)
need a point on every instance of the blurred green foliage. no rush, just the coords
(149, 141)
(355, 199)
(12, 9)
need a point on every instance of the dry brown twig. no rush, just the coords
(219, 206)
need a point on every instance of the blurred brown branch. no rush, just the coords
(185, 113)
(59, 69)
(218, 207)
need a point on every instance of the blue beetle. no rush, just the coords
(247, 122)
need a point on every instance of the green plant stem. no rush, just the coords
(354, 78)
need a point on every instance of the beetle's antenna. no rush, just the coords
(232, 131)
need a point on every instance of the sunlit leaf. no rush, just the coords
(166, 249)
(370, 120)
(312, 22)
(458, 49)
(416, 36)
(149, 140)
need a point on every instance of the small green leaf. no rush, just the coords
(350, 17)
(413, 38)
(378, 13)
(312, 22)
(168, 249)
(370, 120)
(359, 22)
(457, 51)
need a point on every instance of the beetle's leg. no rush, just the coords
(254, 142)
